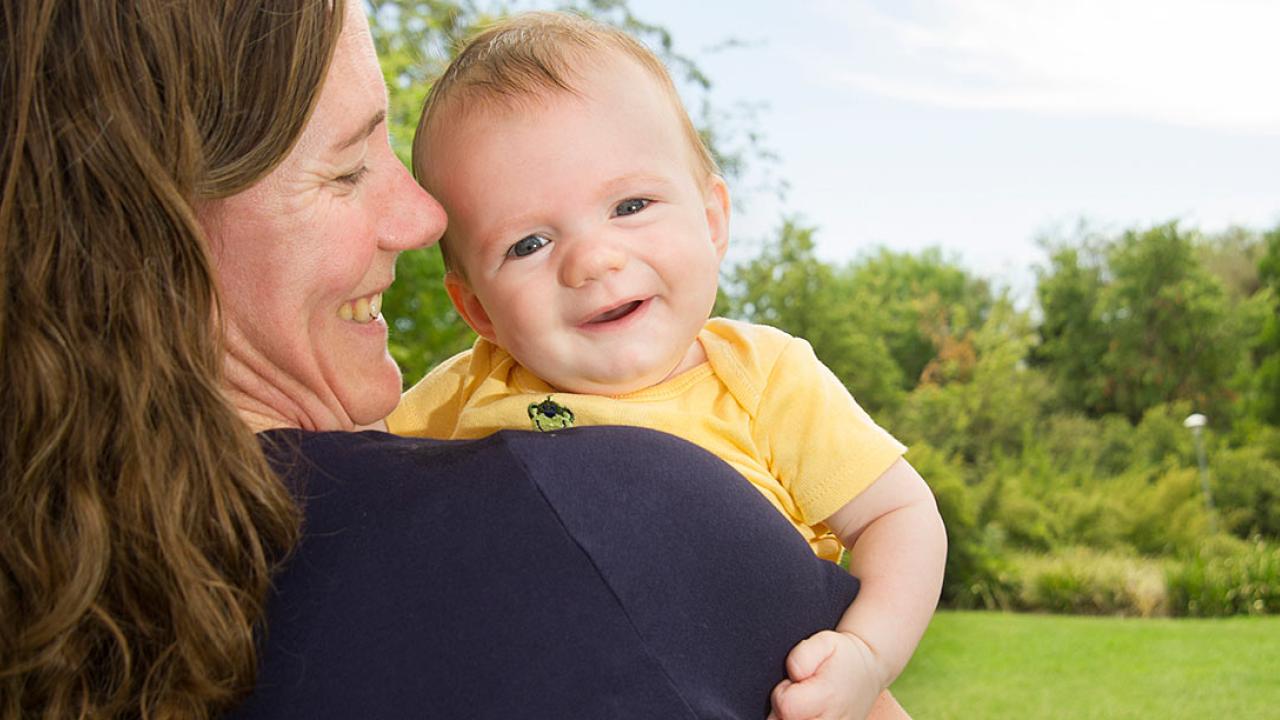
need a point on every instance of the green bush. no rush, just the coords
(1164, 514)
(1246, 490)
(1084, 581)
(976, 575)
(1094, 515)
(1145, 511)
(1027, 523)
(1160, 439)
(1226, 577)
(1081, 449)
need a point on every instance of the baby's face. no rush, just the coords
(590, 245)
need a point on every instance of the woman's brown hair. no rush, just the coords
(139, 520)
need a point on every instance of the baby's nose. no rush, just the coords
(592, 260)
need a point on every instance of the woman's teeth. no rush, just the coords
(363, 310)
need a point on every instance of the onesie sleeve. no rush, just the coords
(432, 406)
(820, 444)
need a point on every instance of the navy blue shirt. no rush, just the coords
(591, 573)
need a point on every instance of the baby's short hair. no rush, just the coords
(530, 54)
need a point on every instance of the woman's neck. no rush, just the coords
(266, 397)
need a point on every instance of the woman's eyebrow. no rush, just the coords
(365, 131)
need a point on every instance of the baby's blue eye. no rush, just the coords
(527, 246)
(632, 206)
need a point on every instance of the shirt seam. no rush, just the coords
(648, 651)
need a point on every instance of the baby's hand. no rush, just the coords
(832, 675)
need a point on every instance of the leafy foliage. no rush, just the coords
(926, 308)
(1136, 322)
(1227, 579)
(1265, 396)
(788, 287)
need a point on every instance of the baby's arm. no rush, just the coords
(898, 550)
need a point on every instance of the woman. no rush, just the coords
(200, 212)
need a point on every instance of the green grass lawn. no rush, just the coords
(996, 665)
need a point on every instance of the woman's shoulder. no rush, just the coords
(578, 573)
(341, 477)
(298, 454)
(335, 456)
(302, 455)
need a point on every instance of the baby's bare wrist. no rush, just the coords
(877, 667)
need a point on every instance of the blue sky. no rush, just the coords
(979, 125)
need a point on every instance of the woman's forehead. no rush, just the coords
(354, 95)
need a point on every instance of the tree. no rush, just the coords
(926, 305)
(1265, 398)
(788, 287)
(1072, 336)
(983, 401)
(1137, 322)
(1171, 331)
(1233, 256)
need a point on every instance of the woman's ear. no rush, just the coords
(468, 305)
(716, 197)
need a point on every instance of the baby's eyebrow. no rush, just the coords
(617, 184)
(504, 233)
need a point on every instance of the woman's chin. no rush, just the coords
(371, 395)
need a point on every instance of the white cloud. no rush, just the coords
(1198, 63)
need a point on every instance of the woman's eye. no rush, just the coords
(631, 207)
(527, 246)
(353, 178)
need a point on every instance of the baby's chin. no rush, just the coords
(607, 389)
(627, 379)
(608, 386)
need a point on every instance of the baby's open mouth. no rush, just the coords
(615, 314)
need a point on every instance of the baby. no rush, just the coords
(587, 223)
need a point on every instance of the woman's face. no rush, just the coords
(304, 255)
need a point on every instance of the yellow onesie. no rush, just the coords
(762, 402)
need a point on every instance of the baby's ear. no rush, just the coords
(468, 305)
(716, 197)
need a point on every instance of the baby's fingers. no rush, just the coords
(775, 698)
(802, 701)
(805, 659)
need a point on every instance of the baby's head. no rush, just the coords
(587, 220)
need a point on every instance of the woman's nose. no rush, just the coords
(591, 260)
(410, 217)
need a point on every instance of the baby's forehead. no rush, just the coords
(479, 102)
(532, 90)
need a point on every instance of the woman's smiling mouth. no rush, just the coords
(362, 310)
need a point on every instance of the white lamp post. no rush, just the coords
(1195, 422)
